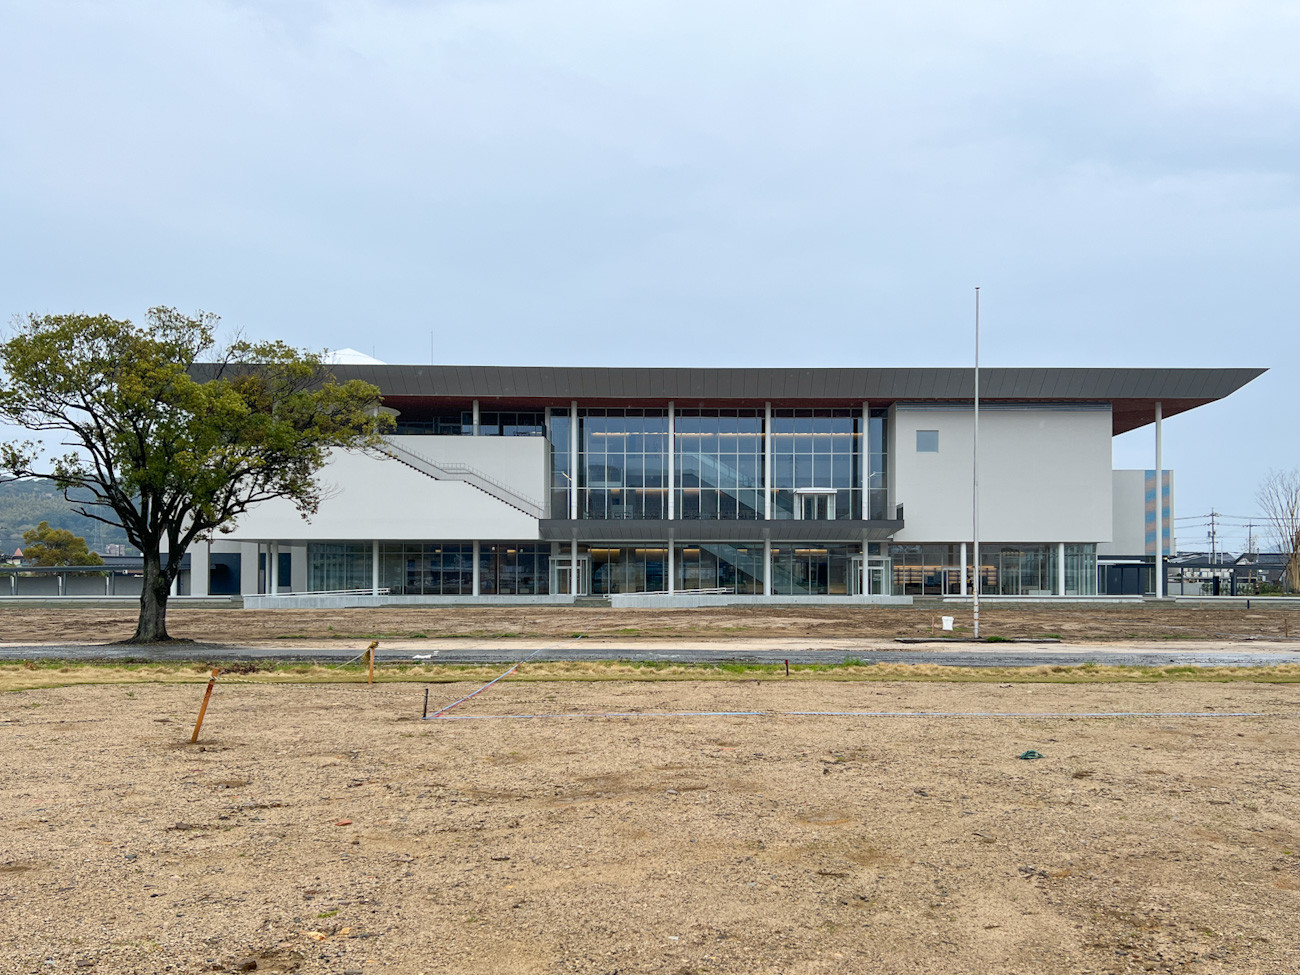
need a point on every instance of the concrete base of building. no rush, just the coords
(632, 600)
(307, 600)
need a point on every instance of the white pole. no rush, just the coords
(1160, 508)
(975, 487)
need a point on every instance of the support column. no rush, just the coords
(1160, 508)
(573, 467)
(475, 590)
(965, 588)
(476, 421)
(273, 573)
(573, 568)
(672, 566)
(1060, 569)
(672, 464)
(767, 466)
(374, 567)
(200, 565)
(767, 566)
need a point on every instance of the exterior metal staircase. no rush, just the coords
(466, 474)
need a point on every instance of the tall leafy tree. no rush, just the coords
(44, 545)
(171, 436)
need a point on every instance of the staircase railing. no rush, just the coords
(451, 471)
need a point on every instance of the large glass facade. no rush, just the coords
(817, 449)
(338, 566)
(623, 468)
(719, 464)
(926, 570)
(819, 459)
(427, 568)
(737, 568)
(631, 569)
(1007, 569)
(432, 568)
(878, 465)
(514, 570)
(812, 569)
(558, 427)
(1081, 570)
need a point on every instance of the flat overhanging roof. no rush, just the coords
(1131, 393)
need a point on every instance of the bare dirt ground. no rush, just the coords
(1074, 624)
(326, 829)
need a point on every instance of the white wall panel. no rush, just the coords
(1045, 474)
(369, 498)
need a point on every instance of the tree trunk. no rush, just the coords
(152, 627)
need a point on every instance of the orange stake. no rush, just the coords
(204, 710)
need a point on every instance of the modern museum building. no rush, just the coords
(693, 486)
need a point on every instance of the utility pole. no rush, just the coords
(1214, 556)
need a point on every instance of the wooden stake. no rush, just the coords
(204, 710)
(372, 660)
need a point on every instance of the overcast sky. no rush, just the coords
(627, 182)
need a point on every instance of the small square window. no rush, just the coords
(927, 441)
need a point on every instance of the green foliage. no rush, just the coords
(25, 504)
(170, 437)
(44, 545)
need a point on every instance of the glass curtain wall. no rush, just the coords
(633, 569)
(623, 470)
(557, 436)
(926, 570)
(1081, 570)
(878, 465)
(812, 570)
(817, 449)
(719, 464)
(514, 570)
(427, 568)
(335, 566)
(719, 565)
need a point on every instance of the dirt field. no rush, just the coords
(325, 829)
(1071, 623)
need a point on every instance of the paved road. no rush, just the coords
(1021, 656)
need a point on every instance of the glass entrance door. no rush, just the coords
(561, 574)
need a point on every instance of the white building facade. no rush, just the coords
(706, 485)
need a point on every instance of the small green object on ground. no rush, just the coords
(1031, 754)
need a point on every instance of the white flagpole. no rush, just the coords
(975, 487)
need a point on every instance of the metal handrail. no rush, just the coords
(457, 471)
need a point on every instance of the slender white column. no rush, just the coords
(1160, 509)
(476, 422)
(672, 566)
(965, 589)
(767, 468)
(672, 464)
(1060, 569)
(273, 560)
(573, 568)
(475, 590)
(374, 567)
(573, 468)
(767, 567)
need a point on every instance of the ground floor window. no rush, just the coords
(514, 569)
(630, 569)
(812, 569)
(1006, 569)
(338, 566)
(737, 568)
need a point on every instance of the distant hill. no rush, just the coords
(25, 504)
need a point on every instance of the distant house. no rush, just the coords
(1261, 567)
